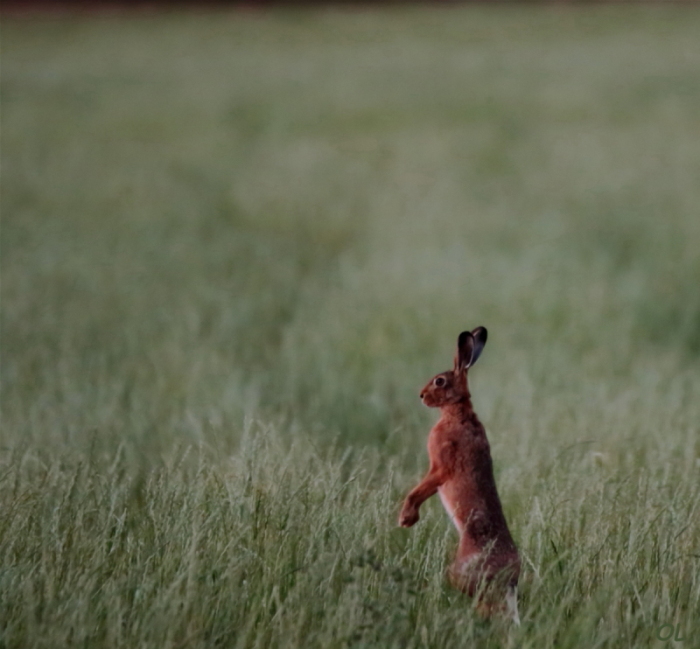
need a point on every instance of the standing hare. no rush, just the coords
(487, 564)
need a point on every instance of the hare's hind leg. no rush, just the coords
(495, 605)
(512, 604)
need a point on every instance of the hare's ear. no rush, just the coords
(465, 351)
(480, 335)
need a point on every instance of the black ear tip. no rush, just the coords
(463, 338)
(481, 332)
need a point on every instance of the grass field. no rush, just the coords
(234, 248)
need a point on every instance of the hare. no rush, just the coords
(461, 472)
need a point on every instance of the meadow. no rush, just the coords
(236, 244)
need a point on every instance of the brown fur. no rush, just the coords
(487, 562)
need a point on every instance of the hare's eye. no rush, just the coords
(439, 381)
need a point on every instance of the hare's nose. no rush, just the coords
(422, 394)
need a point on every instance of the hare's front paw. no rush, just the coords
(409, 516)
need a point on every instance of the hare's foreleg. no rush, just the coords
(426, 488)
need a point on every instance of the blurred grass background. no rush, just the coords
(235, 245)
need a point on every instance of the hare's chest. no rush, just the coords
(450, 507)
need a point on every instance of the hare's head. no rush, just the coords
(451, 387)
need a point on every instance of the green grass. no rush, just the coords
(234, 248)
